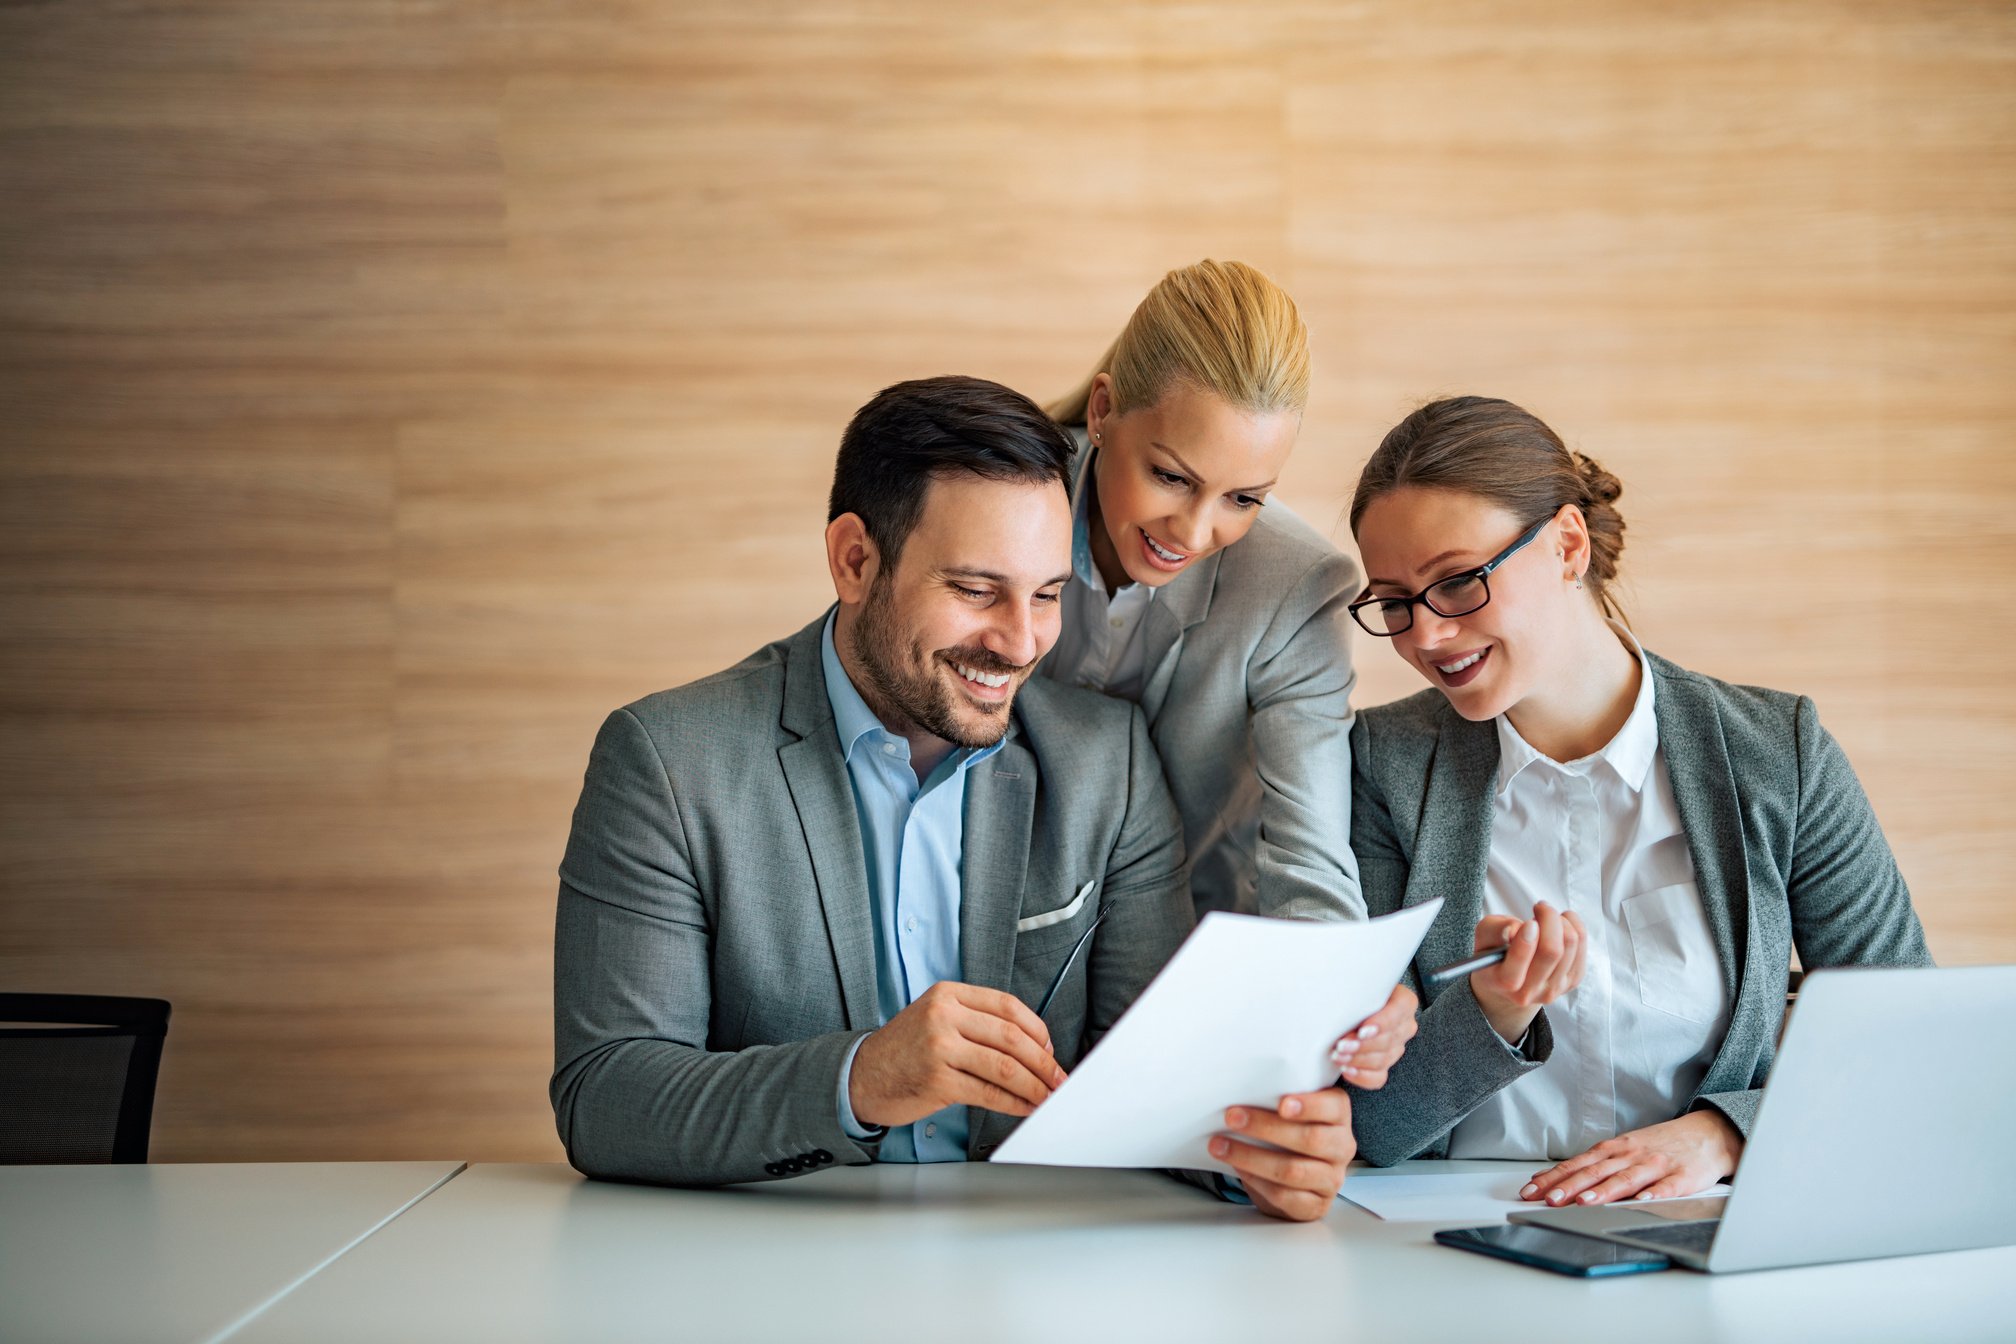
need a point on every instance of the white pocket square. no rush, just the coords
(1049, 917)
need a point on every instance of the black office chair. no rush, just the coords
(78, 1086)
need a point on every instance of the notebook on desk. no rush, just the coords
(1888, 1128)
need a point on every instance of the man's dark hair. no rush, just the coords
(914, 432)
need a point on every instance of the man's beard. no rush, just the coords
(919, 697)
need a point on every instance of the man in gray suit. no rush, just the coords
(808, 902)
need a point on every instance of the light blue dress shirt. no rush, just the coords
(914, 837)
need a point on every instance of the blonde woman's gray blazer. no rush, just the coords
(1247, 690)
(1787, 855)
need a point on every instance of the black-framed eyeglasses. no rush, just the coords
(1457, 595)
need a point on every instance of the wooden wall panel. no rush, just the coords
(392, 389)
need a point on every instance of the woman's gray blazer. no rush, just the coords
(1246, 687)
(1787, 855)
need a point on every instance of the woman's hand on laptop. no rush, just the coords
(1680, 1157)
(1368, 1051)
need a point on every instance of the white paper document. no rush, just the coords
(1454, 1198)
(1245, 1012)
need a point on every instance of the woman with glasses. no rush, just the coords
(1222, 615)
(1648, 844)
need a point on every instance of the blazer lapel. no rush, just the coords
(1181, 604)
(1000, 815)
(1453, 845)
(1697, 760)
(817, 777)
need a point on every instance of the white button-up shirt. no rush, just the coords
(1099, 646)
(1601, 836)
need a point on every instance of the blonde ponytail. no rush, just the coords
(1219, 325)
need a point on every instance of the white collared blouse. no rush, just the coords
(1602, 836)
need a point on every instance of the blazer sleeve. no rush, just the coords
(636, 1093)
(1299, 695)
(1456, 1060)
(1848, 900)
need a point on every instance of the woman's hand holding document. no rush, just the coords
(1245, 1013)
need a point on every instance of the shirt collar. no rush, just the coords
(1629, 754)
(853, 720)
(1082, 563)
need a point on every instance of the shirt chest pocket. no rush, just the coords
(1676, 966)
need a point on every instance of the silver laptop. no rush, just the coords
(1888, 1128)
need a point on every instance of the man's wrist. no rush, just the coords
(844, 1102)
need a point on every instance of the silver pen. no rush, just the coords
(1456, 970)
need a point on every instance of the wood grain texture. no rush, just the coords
(391, 389)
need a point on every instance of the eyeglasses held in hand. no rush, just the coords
(1072, 959)
(1457, 595)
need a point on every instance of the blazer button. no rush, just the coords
(821, 1156)
(794, 1165)
(773, 1168)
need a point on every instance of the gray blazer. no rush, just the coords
(1247, 688)
(714, 960)
(1787, 854)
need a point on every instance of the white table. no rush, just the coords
(172, 1253)
(976, 1253)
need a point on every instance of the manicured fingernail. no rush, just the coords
(1347, 1046)
(1236, 1118)
(1058, 1081)
(1368, 1031)
(1586, 1196)
(1291, 1107)
(1350, 1072)
(1531, 933)
(1556, 1196)
(1528, 1192)
(1220, 1147)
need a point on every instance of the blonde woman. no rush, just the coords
(1207, 603)
(1224, 616)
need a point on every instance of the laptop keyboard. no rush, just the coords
(1697, 1237)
